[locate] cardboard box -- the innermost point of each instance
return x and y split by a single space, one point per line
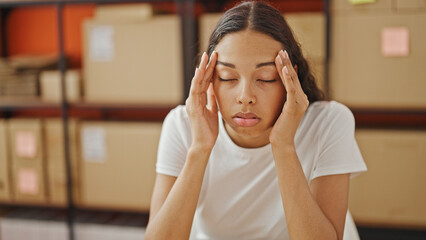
29 182
133 62
318 70
410 5
4 163
55 160
118 164
376 6
364 71
50 84
207 23
123 12
392 191
27 160
308 28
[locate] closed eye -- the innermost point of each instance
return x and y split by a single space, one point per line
267 81
226 80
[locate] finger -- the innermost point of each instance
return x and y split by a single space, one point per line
196 83
287 62
193 87
211 99
288 83
279 65
291 69
210 69
203 63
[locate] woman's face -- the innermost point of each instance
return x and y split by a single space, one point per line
248 89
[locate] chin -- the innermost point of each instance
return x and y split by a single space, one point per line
253 132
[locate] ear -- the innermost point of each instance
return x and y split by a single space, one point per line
295 68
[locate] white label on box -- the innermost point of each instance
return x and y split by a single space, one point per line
93 141
101 44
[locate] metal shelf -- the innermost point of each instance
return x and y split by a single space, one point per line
185 8
35 108
18 3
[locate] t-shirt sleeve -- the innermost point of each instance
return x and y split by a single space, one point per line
339 152
174 142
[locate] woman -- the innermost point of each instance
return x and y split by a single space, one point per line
256 153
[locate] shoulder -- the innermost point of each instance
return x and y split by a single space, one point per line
330 111
177 121
328 117
176 128
177 117
178 113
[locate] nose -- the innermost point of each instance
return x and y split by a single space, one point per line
246 95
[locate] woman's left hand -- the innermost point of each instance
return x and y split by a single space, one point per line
294 108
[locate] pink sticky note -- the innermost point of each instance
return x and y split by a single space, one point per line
28 181
25 144
395 41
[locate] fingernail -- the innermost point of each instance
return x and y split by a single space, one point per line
285 69
196 70
286 54
282 53
279 59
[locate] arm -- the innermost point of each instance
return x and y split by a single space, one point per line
171 217
312 212
175 200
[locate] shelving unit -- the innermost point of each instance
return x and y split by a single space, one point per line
13 107
26 108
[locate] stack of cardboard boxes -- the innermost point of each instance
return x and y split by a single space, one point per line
377 61
130 56
32 160
4 163
50 86
19 74
112 163
27 160
55 158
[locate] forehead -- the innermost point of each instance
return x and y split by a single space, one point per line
247 45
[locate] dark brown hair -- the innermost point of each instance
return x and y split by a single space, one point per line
263 18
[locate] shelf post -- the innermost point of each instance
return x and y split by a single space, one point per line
185 9
64 115
326 10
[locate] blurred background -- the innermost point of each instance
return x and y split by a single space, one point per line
86 84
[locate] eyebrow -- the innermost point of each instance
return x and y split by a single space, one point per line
257 66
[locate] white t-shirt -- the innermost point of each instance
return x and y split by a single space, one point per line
240 197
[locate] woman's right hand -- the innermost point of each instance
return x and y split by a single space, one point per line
201 105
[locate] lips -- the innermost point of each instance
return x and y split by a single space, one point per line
246 119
